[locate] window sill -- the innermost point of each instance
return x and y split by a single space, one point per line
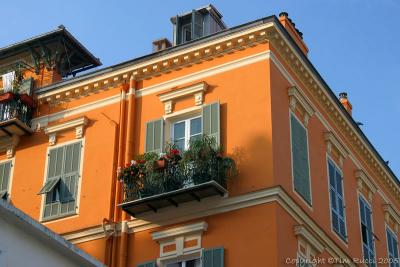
57 217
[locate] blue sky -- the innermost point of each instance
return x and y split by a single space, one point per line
353 43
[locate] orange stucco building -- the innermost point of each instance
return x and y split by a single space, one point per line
309 186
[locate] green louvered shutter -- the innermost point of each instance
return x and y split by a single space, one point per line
69 182
155 136
5 170
300 159
197 24
213 257
211 121
54 172
26 86
147 264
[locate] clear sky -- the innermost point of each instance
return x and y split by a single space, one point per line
354 44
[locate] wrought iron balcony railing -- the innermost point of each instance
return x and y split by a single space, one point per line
15 114
172 184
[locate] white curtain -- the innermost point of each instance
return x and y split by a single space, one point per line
8 80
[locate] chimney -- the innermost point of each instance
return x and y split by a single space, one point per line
297 35
161 44
345 102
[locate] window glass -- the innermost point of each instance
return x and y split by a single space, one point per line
186 130
187 32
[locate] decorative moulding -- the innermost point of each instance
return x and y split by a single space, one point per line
390 212
303 233
179 240
8 144
364 181
297 98
197 90
79 125
333 142
181 230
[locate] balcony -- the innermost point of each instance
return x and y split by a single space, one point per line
15 114
151 184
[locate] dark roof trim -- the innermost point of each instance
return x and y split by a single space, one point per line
223 33
19 47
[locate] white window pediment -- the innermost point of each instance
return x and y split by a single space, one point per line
181 240
332 142
297 100
365 183
306 237
79 125
196 90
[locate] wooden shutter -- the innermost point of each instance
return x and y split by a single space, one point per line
213 257
147 264
26 86
70 177
5 170
54 172
337 203
155 136
211 121
63 176
300 159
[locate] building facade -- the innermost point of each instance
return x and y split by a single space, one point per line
310 187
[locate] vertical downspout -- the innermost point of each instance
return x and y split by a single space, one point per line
123 253
118 186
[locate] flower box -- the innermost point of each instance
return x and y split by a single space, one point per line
161 164
26 99
6 97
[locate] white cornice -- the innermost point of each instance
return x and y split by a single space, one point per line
180 231
181 92
297 96
361 176
216 205
389 209
165 63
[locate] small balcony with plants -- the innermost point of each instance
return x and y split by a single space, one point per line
16 104
152 182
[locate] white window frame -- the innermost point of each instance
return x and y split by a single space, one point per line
10 180
345 239
46 220
309 205
186 256
394 235
187 129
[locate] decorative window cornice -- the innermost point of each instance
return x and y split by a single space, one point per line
333 143
197 90
180 230
8 144
298 100
391 215
301 232
78 124
365 183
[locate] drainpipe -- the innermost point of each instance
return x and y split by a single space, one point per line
117 183
123 253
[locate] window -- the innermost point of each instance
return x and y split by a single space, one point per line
186 32
186 130
392 248
182 131
366 232
300 164
60 189
5 173
188 263
337 200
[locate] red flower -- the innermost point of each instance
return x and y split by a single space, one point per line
175 152
141 161
127 164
